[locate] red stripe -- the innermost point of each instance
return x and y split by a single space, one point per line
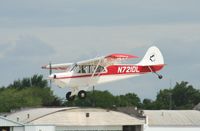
113 70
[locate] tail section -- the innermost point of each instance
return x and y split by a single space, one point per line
153 61
152 57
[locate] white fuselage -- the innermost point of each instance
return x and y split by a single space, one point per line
111 73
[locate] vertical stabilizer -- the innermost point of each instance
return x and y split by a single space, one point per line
153 56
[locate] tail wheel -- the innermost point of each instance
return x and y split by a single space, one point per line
69 97
160 76
82 94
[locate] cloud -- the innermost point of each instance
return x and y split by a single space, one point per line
4 49
179 44
97 13
23 58
29 47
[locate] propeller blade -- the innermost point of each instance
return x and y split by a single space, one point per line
50 68
50 72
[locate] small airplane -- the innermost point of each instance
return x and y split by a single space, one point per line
81 75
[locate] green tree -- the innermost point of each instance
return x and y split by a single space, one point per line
35 81
130 99
182 96
22 93
12 98
105 99
185 96
38 81
26 82
164 99
102 99
149 104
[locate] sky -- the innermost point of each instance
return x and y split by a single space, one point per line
34 32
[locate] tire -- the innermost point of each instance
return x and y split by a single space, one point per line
160 76
82 94
69 97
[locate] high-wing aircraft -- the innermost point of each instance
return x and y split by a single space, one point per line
81 75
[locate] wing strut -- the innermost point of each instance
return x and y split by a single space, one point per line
96 68
95 71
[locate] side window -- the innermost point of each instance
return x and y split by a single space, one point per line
92 68
81 69
77 69
88 69
100 69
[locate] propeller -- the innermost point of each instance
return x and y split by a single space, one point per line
49 66
50 72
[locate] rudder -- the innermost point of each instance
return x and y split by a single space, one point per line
153 56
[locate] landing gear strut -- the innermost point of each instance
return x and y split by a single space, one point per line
159 76
152 70
69 97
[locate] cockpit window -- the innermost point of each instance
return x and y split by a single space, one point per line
100 69
88 69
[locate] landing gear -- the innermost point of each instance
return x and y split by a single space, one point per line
82 94
160 76
152 70
69 97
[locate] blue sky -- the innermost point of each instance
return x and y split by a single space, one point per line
32 33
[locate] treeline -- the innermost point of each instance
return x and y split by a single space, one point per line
105 99
182 96
34 92
28 92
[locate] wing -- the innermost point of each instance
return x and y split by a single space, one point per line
63 66
107 60
121 56
103 61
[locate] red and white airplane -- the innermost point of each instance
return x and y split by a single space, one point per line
84 74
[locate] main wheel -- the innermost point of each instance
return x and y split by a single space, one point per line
82 94
69 97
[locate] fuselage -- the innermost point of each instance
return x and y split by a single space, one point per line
80 78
